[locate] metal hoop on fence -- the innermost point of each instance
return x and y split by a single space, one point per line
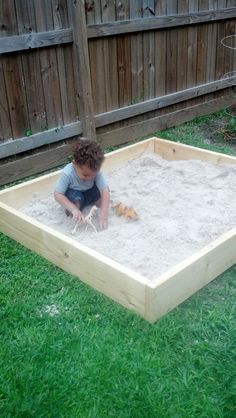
228 38
231 111
230 78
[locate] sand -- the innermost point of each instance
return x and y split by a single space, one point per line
182 206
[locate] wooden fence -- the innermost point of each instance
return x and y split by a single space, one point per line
108 69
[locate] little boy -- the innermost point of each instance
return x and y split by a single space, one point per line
81 183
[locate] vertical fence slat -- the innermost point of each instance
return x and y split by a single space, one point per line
192 49
171 51
12 65
82 69
212 46
202 55
221 50
5 122
110 58
149 53
182 55
136 39
65 64
96 55
124 57
31 69
160 53
49 67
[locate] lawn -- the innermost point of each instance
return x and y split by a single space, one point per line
68 351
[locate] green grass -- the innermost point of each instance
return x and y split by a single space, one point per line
68 351
92 358
205 132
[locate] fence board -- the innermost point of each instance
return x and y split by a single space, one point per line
49 67
137 70
110 58
26 166
148 53
58 134
65 64
192 49
31 70
124 58
35 40
144 64
138 130
137 25
5 123
12 67
171 51
81 61
202 55
182 56
41 138
160 53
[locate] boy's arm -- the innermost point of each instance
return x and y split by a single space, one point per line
67 204
104 209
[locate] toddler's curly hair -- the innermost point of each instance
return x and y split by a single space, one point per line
88 152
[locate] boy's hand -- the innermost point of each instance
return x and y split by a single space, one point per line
77 215
103 220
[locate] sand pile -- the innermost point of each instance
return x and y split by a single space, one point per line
182 205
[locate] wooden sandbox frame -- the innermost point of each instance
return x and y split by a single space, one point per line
149 298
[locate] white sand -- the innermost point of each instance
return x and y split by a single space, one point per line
182 205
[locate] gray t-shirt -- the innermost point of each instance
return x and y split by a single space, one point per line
69 179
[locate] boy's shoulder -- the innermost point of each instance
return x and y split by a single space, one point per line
68 169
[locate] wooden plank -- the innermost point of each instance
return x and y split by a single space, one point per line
5 122
170 151
6 25
202 56
159 102
97 58
171 51
65 64
112 279
151 23
33 164
148 54
220 51
192 49
136 56
82 70
35 40
137 63
123 58
57 134
40 162
160 54
182 53
182 281
39 139
31 70
110 59
49 67
64 36
7 18
13 75
140 129
212 46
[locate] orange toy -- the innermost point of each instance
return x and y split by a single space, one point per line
128 213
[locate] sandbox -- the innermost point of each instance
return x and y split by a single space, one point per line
150 296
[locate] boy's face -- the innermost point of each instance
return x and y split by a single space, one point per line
84 172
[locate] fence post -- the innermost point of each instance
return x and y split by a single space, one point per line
82 69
